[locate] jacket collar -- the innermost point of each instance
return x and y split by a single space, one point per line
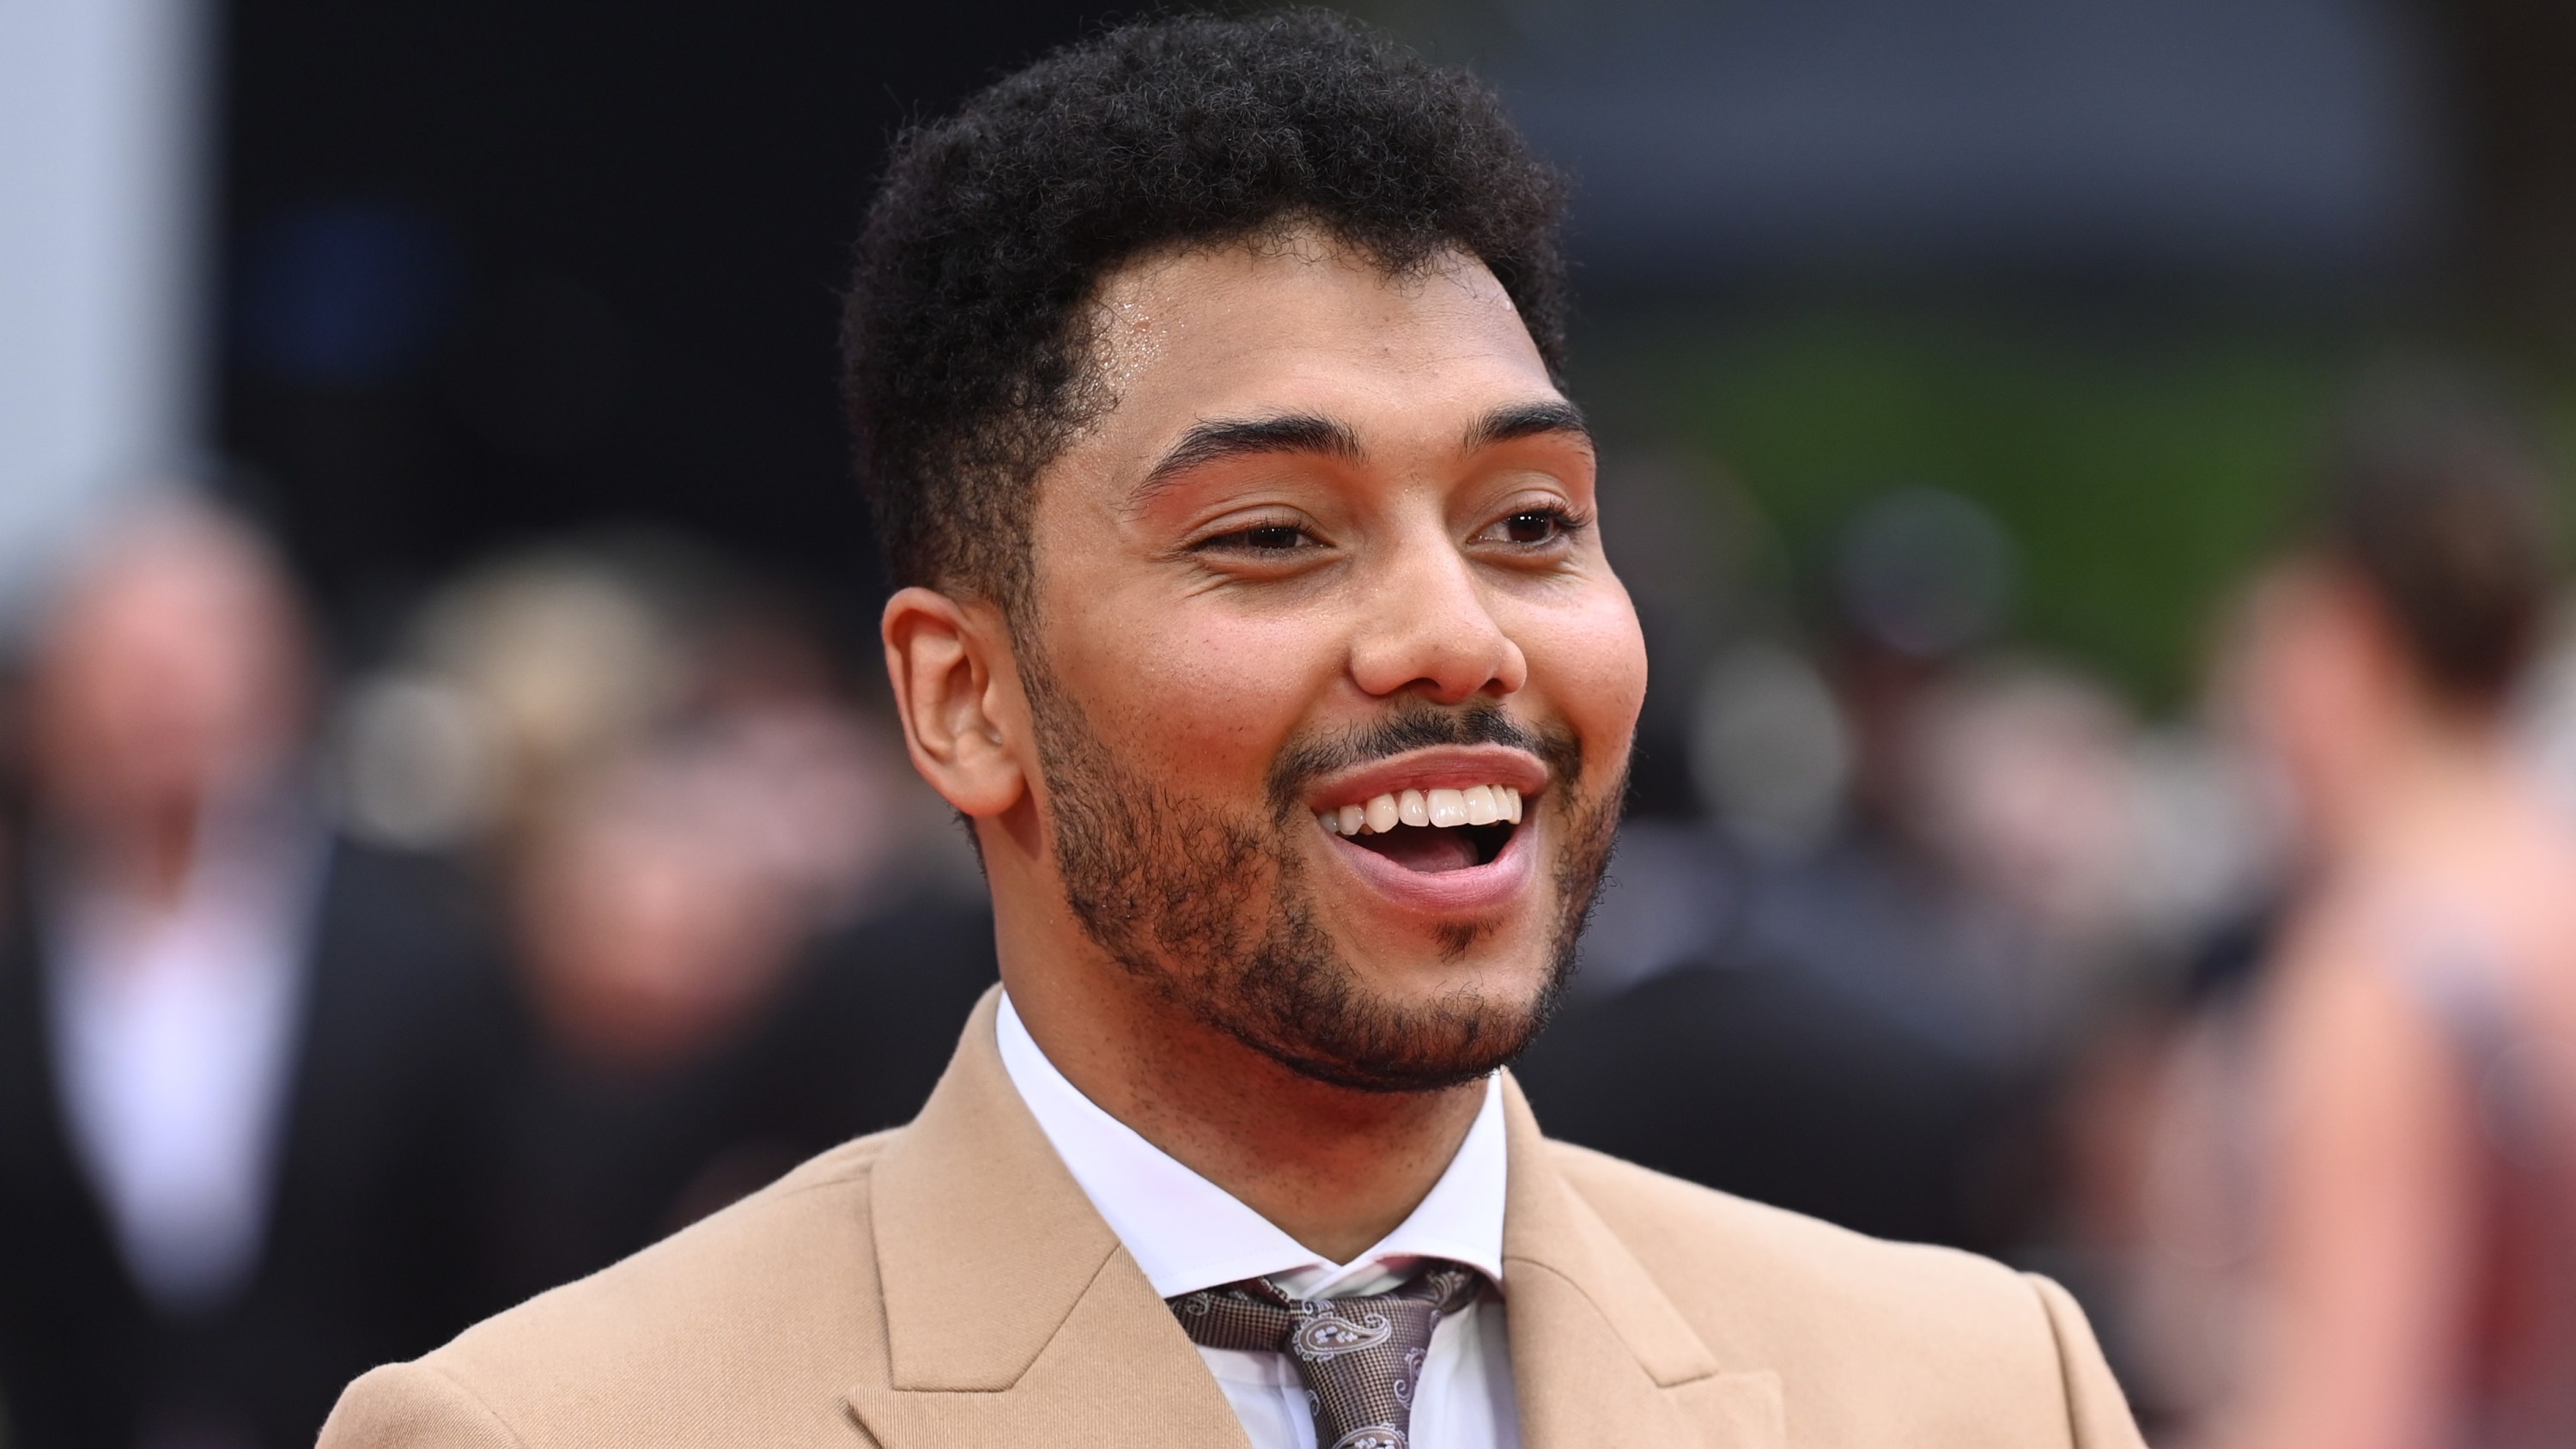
1012 1312
1599 1354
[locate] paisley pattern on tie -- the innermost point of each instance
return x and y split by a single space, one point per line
1360 1358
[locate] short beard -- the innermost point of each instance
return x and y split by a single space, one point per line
1211 909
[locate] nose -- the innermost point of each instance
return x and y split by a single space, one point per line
1429 629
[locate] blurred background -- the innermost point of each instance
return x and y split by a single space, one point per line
2087 472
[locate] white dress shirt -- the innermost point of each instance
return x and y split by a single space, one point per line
174 1046
1187 1233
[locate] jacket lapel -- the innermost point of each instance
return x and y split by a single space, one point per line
1599 1355
1013 1315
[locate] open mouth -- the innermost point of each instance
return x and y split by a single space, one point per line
1432 832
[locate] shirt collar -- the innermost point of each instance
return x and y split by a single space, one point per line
1187 1233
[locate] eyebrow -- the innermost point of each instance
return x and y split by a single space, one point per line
1221 438
1218 439
1527 420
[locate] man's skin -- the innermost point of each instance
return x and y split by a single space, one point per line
1205 608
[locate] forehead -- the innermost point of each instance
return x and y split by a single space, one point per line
1300 322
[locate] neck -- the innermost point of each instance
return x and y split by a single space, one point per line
1335 1169
2440 778
144 857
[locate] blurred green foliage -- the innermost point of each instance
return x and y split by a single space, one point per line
2139 476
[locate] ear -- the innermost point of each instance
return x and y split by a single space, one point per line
956 689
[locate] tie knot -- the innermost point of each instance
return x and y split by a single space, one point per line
1360 1358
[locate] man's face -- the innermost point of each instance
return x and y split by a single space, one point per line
1333 685
170 678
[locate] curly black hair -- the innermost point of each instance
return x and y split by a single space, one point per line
966 336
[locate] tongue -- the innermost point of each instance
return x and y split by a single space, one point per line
1427 849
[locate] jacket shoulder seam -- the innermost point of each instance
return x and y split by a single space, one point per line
481 1405
2065 1362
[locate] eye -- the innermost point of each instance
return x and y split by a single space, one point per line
1271 537
1534 527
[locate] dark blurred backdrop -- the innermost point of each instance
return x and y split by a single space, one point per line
486 273
494 270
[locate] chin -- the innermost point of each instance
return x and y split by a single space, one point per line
1422 1022
1505 969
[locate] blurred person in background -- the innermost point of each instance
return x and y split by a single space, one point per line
2413 1277
650 917
730 915
240 1060
702 1022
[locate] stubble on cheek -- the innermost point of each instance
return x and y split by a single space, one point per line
1211 909
1591 836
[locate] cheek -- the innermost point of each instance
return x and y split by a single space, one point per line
1201 695
1588 665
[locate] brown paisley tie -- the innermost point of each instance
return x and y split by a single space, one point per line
1360 1358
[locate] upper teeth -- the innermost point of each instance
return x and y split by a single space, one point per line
1475 805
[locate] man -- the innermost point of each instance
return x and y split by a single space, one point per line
236 1057
1256 621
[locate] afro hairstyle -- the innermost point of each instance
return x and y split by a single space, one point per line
967 331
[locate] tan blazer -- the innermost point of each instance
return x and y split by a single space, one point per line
948 1284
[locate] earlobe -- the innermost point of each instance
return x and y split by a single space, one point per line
942 657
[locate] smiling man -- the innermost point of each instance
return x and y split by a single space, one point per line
1255 618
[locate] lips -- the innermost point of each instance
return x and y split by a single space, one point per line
1443 871
1439 830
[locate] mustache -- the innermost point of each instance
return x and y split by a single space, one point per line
1414 727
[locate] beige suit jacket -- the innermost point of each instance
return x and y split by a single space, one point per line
948 1284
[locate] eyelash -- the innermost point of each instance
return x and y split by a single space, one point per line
1565 522
1239 540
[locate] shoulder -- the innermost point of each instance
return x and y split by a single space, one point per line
746 1327
1872 1341
2401 994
